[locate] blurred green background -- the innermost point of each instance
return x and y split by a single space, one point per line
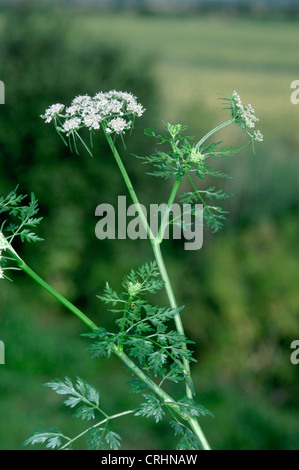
240 290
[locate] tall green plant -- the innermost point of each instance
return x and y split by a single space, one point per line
143 338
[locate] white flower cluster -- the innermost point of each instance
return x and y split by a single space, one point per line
244 115
115 109
257 135
53 111
3 245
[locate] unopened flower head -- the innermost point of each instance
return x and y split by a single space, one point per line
195 156
116 110
134 288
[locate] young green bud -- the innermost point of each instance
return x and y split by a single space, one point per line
195 156
134 288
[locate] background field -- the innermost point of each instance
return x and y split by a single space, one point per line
199 57
240 290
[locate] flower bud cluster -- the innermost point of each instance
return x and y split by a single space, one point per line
134 288
244 116
195 155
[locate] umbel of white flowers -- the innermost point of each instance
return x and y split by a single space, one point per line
116 110
245 116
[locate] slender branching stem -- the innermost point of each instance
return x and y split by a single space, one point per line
171 199
104 421
217 128
198 194
51 291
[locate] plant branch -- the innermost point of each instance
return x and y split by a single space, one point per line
109 418
166 213
217 128
51 291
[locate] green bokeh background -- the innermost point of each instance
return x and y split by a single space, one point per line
240 290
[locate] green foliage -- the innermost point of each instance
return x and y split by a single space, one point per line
146 277
189 408
80 393
143 334
188 441
184 158
87 397
20 217
191 161
51 437
143 331
103 439
151 408
173 163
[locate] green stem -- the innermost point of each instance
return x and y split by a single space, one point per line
173 304
198 194
165 397
156 249
205 137
166 214
129 186
51 291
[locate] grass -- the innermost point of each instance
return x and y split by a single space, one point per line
199 57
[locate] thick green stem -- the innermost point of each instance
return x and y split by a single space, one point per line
155 242
165 397
174 305
130 187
